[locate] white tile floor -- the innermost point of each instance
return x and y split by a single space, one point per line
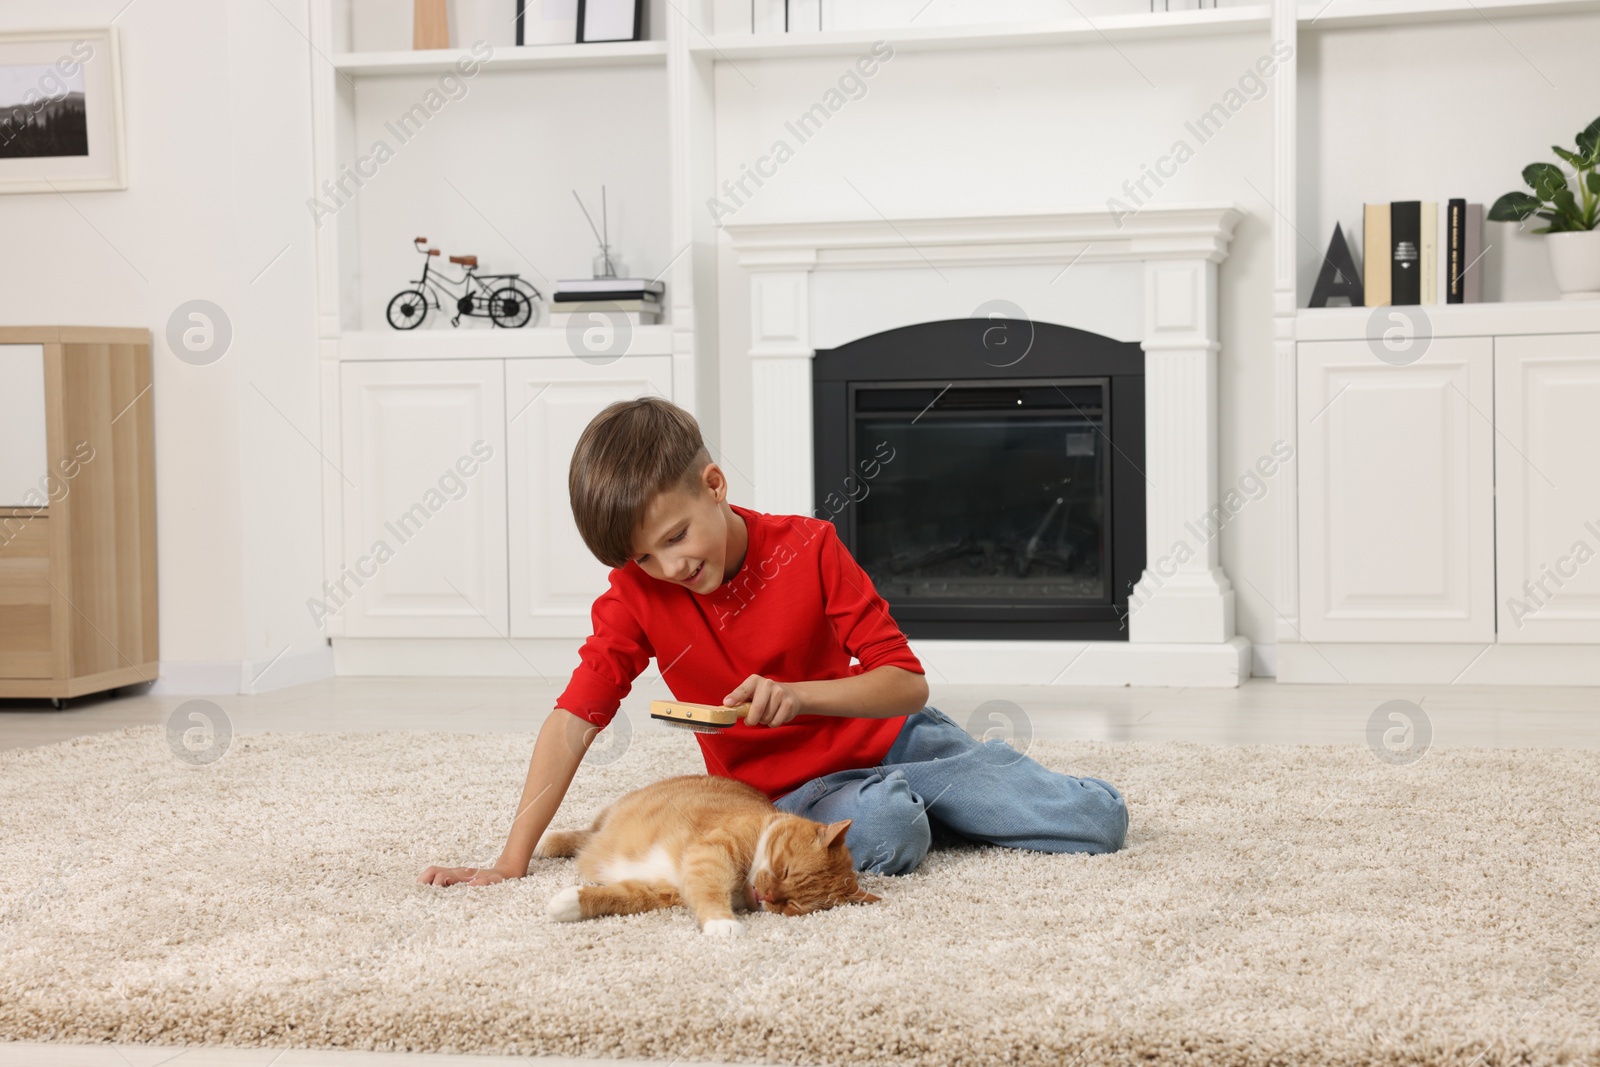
1260 712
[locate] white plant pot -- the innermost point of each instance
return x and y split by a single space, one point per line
1575 258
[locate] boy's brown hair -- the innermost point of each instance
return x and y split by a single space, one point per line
631 451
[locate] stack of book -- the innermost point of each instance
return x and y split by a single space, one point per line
1422 252
637 300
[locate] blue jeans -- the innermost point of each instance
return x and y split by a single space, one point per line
937 777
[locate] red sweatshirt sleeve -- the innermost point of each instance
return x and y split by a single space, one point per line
858 615
615 654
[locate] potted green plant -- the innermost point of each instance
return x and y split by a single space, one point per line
1573 239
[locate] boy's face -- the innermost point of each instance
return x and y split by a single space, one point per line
683 537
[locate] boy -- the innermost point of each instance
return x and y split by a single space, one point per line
736 605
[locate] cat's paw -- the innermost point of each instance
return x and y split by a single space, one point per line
564 906
723 928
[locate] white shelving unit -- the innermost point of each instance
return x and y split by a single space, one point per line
688 51
1396 576
396 402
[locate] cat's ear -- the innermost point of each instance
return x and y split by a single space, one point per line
833 832
861 896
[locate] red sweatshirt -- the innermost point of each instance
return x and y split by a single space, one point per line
796 611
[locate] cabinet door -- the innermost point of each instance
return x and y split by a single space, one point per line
1397 493
424 499
554 578
1547 391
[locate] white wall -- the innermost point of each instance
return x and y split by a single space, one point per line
217 108
1016 131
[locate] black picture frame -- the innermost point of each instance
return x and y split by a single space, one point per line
521 11
585 7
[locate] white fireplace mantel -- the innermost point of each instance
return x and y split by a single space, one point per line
1181 613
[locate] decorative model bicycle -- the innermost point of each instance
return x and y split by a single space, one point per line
505 298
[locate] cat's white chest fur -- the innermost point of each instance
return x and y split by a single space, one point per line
656 866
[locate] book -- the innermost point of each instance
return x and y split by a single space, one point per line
1441 261
602 295
608 285
1463 247
1472 272
1405 237
1428 253
1375 253
608 305
1455 246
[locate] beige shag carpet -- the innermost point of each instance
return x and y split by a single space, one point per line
1274 905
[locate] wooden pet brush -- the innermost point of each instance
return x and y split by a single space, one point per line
701 718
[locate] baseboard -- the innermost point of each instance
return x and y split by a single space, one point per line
1358 664
181 678
234 677
1263 661
1222 665
552 659
290 668
1076 663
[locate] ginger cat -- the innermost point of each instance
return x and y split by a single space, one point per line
710 842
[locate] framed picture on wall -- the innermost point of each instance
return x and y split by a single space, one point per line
608 20
61 111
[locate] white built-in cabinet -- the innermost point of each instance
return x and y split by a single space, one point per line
1450 500
454 491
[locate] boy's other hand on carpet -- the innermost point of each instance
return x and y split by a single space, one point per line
469 875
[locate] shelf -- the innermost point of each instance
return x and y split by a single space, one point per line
1344 14
530 342
1457 320
532 57
1081 30
1314 15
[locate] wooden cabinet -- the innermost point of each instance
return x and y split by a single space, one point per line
77 511
1397 493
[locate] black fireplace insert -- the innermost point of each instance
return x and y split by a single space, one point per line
988 475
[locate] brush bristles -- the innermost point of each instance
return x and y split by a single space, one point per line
682 724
